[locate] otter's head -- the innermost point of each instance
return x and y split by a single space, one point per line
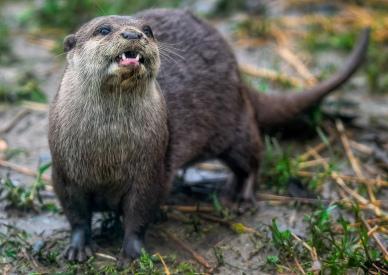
118 50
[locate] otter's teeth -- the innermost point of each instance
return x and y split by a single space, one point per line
123 57
137 57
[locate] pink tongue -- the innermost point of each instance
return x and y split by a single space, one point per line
129 61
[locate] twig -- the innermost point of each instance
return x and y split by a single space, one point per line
352 159
19 116
298 265
28 172
380 270
361 147
309 248
373 230
22 170
366 181
272 197
106 256
310 163
375 221
280 36
201 260
165 267
270 74
355 195
351 192
37 266
349 153
313 252
35 106
295 62
318 148
377 240
348 202
188 208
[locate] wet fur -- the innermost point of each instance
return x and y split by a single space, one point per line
117 143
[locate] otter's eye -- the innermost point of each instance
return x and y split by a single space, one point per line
147 31
104 30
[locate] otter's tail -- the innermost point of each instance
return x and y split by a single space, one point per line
273 110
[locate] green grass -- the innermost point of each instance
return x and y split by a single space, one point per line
147 264
16 240
27 197
341 248
281 166
318 39
282 240
278 166
4 41
11 244
376 68
17 247
69 15
26 88
228 7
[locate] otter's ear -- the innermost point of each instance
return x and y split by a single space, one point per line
69 42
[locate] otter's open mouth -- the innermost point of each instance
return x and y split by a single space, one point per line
129 58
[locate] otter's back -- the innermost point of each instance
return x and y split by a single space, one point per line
200 80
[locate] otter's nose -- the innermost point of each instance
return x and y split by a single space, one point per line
131 35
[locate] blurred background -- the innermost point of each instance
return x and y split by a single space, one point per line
282 46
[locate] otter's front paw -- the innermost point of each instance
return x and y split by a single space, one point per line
239 205
246 205
132 247
79 249
78 253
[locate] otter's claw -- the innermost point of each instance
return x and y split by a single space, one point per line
79 249
79 254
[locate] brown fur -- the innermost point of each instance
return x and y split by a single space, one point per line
117 139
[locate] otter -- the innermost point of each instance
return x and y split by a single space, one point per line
127 116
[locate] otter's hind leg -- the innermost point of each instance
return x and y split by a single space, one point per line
243 158
241 187
76 206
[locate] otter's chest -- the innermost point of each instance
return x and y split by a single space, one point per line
104 145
